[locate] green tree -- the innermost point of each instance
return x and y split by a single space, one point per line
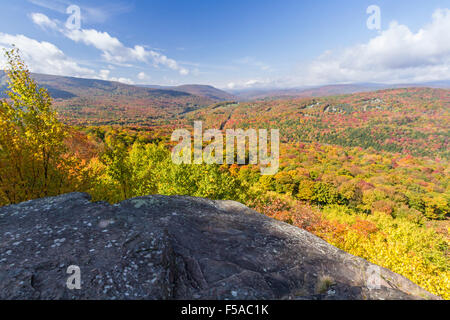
147 162
325 193
118 166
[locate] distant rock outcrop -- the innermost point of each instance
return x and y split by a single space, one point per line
160 247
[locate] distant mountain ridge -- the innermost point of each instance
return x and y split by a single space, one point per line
68 87
329 90
199 90
91 100
62 87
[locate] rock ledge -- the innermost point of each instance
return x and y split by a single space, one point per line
160 247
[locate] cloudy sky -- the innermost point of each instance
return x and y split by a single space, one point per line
232 44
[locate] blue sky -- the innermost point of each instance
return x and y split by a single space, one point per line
233 44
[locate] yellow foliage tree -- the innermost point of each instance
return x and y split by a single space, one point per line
32 149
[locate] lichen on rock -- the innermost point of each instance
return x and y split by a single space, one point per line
160 247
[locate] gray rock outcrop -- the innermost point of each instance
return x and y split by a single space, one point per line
160 247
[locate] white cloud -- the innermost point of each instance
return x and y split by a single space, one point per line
43 21
100 40
44 57
251 84
395 55
105 75
98 14
122 80
113 51
143 76
184 72
250 61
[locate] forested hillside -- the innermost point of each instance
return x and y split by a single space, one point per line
409 121
89 101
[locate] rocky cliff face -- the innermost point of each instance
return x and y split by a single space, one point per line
160 247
